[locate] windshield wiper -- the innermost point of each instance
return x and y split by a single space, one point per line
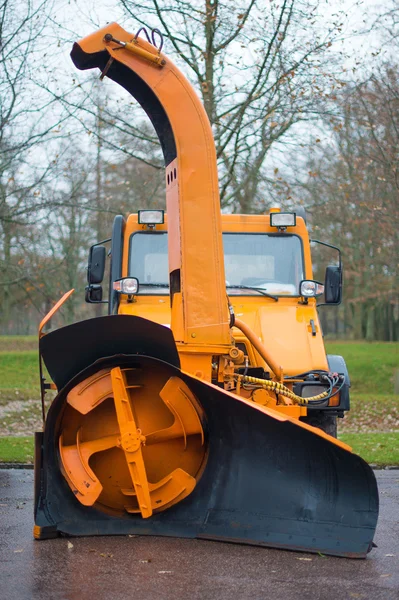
240 287
256 289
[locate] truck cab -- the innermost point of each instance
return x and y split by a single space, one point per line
269 285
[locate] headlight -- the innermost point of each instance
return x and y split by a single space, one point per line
126 285
151 217
310 289
278 219
308 391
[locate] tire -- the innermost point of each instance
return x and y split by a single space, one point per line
322 420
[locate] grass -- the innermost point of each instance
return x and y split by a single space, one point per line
16 449
375 448
371 427
371 365
19 373
10 343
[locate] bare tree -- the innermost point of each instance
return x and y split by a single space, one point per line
260 68
27 127
352 190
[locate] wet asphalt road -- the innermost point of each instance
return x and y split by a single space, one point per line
120 568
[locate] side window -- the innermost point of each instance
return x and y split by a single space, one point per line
155 268
148 258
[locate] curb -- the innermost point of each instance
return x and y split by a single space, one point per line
16 465
30 466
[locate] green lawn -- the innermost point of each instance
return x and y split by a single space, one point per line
19 375
16 449
19 370
371 365
375 448
10 343
371 427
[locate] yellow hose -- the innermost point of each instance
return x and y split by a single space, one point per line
280 388
275 386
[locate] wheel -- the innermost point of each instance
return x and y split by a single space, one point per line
322 420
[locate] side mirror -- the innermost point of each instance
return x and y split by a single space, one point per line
94 293
96 266
333 285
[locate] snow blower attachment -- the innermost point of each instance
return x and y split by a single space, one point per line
194 429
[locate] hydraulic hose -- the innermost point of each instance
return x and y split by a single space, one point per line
257 344
280 388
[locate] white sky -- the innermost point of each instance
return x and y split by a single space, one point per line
74 19
81 17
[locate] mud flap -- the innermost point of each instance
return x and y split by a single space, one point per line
267 482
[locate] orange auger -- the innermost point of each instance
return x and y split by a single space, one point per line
142 496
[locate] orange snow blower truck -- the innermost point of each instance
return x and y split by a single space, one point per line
190 409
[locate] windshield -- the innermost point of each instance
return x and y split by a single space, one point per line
271 262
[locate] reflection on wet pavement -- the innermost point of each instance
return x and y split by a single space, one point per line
119 568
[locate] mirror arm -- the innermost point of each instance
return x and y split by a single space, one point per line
329 246
100 243
339 264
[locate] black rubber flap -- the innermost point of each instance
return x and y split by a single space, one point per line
83 60
138 88
266 482
69 350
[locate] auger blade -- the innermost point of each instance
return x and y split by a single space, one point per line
85 396
178 398
167 491
75 462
